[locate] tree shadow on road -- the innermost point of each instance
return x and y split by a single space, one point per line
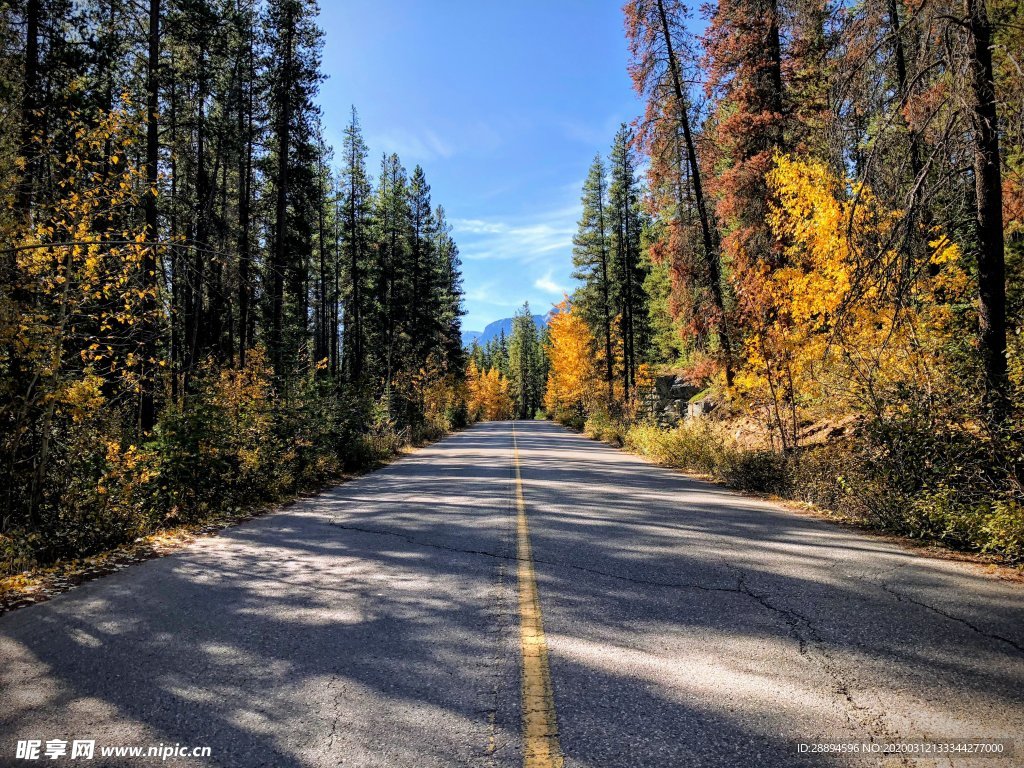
375 624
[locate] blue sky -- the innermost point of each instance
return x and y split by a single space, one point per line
504 104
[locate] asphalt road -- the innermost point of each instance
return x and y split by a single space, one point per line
378 624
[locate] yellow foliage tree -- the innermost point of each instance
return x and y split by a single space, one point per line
73 325
572 378
830 334
488 393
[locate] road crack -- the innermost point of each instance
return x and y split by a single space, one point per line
900 596
791 617
336 715
813 645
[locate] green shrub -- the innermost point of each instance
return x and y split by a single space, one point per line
1004 529
760 471
232 444
696 446
601 426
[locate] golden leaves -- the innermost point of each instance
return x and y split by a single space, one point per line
572 377
489 394
828 331
79 270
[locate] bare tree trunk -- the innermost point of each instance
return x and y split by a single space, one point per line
277 264
989 213
147 409
709 233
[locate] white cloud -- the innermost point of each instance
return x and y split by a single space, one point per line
479 227
421 146
440 141
598 135
513 258
517 239
546 283
488 293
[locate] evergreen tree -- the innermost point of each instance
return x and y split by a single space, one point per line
449 295
393 278
423 321
628 267
357 222
189 128
497 354
686 252
526 366
591 256
293 75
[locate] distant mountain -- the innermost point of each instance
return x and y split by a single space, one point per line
493 330
468 337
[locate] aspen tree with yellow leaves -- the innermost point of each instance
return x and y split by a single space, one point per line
573 380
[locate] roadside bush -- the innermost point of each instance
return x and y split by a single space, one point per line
698 446
758 470
572 419
601 426
233 443
1004 529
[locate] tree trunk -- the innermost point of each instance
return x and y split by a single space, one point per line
147 408
989 214
354 335
629 353
709 233
245 109
29 110
605 297
277 265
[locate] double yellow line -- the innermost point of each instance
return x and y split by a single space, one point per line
540 725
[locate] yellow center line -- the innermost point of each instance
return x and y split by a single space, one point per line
540 725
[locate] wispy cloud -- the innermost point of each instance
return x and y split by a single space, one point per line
521 239
546 282
440 141
419 146
597 134
511 259
489 293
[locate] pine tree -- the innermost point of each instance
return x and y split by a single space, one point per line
744 47
357 223
628 268
391 218
448 268
423 321
591 257
189 129
662 51
527 370
294 48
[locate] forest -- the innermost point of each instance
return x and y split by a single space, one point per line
826 246
814 231
204 306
